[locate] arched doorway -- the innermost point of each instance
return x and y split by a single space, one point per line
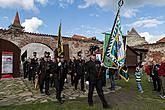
36 47
9 58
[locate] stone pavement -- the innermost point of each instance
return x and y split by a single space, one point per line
20 91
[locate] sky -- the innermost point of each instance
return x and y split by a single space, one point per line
86 17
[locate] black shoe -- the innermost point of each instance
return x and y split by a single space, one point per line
83 90
41 92
90 104
159 90
47 93
61 101
106 106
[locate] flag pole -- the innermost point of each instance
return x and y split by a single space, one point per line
120 4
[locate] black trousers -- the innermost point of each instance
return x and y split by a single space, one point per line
156 83
52 81
58 87
98 85
77 78
25 71
72 78
32 74
44 81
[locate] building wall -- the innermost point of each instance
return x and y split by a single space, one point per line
156 52
25 38
7 46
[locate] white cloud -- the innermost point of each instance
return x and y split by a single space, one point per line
5 18
32 25
65 3
139 3
129 13
147 23
127 3
43 2
151 38
130 5
94 15
100 3
25 4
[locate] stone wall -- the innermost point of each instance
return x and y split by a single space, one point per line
156 52
75 46
24 38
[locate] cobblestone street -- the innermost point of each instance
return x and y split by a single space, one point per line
20 91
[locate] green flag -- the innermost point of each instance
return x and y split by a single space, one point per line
114 52
60 48
107 62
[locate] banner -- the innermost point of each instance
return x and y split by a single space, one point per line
7 62
60 48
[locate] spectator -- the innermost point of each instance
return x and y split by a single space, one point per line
138 75
155 77
161 73
112 73
147 69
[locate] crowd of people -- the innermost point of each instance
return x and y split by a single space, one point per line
51 72
155 75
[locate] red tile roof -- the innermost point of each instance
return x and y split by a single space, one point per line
79 37
161 40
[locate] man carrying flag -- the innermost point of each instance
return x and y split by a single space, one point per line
60 72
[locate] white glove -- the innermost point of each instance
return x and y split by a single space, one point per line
59 64
102 64
87 82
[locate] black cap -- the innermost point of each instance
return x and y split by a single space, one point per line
34 53
45 52
48 53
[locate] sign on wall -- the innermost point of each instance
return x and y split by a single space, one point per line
7 62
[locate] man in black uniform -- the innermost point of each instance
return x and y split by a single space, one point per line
80 72
44 73
60 76
71 68
55 70
95 80
33 67
25 68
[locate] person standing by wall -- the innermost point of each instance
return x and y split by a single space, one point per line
161 73
155 77
147 70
